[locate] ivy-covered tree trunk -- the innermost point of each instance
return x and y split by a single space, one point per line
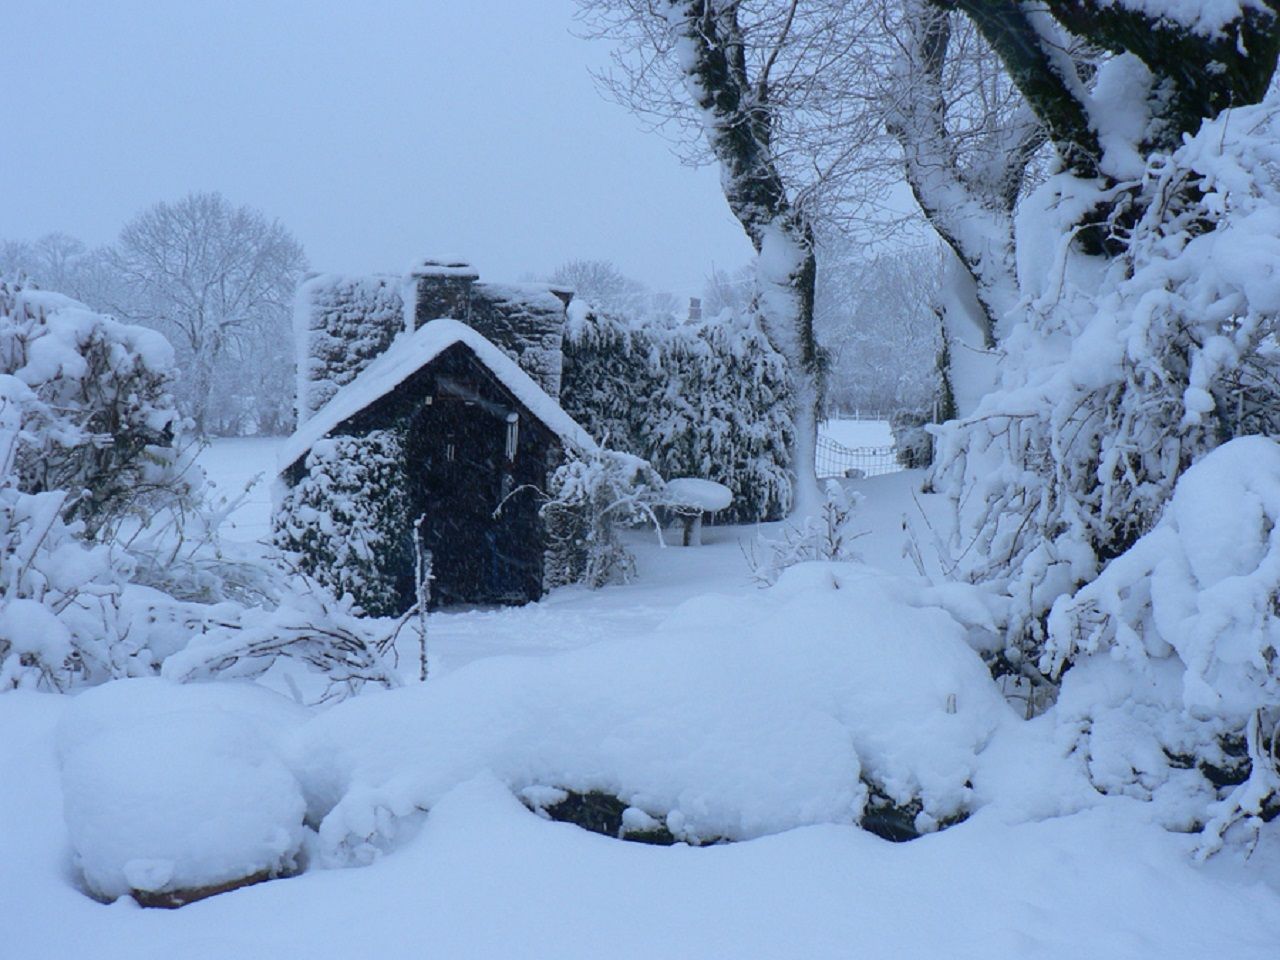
738 124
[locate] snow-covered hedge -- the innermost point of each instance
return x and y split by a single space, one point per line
341 323
347 519
706 399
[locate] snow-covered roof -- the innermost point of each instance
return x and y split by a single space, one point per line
408 354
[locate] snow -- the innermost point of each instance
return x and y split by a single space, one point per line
408 354
855 433
168 788
706 495
750 713
1206 17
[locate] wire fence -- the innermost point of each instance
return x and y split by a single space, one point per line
837 460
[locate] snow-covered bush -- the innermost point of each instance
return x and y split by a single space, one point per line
827 535
59 622
98 507
1127 371
592 495
705 399
1197 600
99 422
345 522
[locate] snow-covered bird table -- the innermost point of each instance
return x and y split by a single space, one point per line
690 498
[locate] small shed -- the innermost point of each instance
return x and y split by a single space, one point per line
476 433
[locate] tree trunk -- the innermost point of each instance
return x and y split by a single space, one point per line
738 122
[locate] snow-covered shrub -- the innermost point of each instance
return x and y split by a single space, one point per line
59 623
99 422
308 626
827 535
1127 371
1197 600
591 496
341 324
705 399
346 521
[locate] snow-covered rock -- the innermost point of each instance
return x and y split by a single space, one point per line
172 790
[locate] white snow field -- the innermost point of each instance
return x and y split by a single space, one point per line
731 710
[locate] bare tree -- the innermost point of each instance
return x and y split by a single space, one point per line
603 284
876 317
218 280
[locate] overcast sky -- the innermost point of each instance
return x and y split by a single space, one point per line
377 131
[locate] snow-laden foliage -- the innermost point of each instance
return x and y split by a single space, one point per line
827 535
344 521
706 399
610 374
85 424
724 412
592 496
59 621
308 626
1198 599
99 420
98 507
1127 371
341 324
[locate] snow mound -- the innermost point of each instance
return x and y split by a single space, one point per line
740 717
1202 585
172 788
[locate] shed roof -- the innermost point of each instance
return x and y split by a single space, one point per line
408 354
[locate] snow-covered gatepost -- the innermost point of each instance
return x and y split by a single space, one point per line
737 121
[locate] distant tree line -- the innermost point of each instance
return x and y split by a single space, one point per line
215 278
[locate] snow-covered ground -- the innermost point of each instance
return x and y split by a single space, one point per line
747 710
857 433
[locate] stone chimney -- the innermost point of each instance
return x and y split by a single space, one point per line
442 288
